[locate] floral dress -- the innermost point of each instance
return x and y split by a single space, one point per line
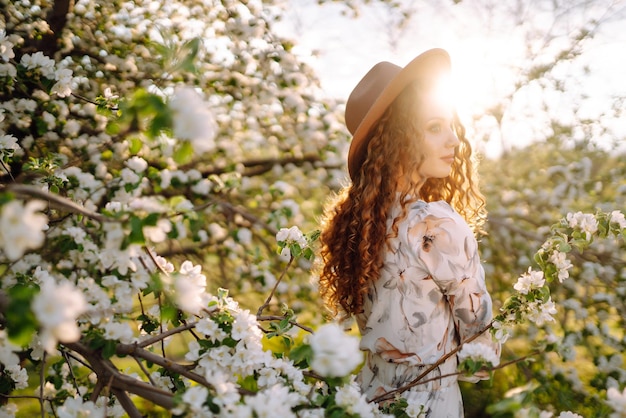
430 295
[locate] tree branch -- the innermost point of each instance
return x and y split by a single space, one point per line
153 340
57 19
106 371
55 200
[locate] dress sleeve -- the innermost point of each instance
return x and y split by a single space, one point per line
444 244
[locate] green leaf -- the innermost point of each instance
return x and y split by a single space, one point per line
249 383
136 231
108 350
295 250
301 355
135 145
170 313
151 219
20 319
184 152
6 198
148 324
161 121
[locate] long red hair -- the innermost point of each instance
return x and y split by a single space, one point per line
354 224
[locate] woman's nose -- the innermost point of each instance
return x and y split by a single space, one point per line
453 139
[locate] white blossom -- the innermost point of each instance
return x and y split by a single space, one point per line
562 264
210 329
193 120
540 313
76 408
118 331
164 265
568 414
276 401
158 233
8 70
129 176
528 281
415 410
8 350
8 411
312 413
6 47
203 187
21 227
137 164
39 61
479 352
335 353
63 86
618 218
586 222
18 375
8 142
244 236
350 397
245 326
291 235
617 401
501 333
195 396
57 307
190 288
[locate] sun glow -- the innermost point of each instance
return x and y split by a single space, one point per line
479 74
480 80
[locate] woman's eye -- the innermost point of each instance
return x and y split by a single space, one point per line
435 128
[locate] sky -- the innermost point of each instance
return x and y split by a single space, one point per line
486 51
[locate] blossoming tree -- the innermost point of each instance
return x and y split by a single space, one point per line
152 155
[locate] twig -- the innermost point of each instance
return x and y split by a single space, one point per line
153 340
417 380
278 317
7 170
271 295
106 371
69 366
56 200
234 209
4 395
42 377
96 391
85 99
134 350
499 366
144 370
154 260
127 403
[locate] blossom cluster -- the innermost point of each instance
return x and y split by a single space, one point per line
231 349
479 352
335 354
193 119
291 242
22 227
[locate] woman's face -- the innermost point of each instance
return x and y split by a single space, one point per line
435 119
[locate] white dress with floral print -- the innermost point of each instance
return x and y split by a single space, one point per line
430 295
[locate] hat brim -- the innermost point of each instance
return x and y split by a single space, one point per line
425 65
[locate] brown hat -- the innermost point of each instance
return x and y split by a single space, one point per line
375 93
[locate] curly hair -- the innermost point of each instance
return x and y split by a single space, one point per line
354 223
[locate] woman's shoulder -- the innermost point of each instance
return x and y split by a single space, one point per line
436 208
421 211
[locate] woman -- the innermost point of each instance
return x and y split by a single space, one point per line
398 251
